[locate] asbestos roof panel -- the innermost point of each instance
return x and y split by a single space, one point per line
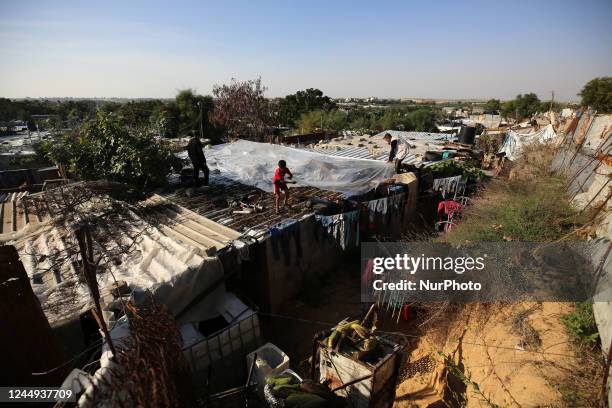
149 243
19 210
186 225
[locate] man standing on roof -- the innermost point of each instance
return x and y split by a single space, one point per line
399 150
196 155
280 184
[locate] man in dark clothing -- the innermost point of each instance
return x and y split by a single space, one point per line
196 155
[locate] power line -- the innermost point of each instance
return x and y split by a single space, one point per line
96 344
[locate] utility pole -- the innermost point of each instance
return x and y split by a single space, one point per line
552 101
201 126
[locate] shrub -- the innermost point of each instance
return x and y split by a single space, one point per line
580 324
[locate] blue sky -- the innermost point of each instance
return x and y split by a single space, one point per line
434 49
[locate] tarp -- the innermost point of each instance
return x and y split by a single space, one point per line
253 164
515 142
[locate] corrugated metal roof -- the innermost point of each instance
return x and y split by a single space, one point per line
417 135
345 151
356 153
221 203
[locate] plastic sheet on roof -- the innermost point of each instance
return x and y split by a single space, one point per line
515 142
253 164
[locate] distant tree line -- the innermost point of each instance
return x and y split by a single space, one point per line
117 141
368 120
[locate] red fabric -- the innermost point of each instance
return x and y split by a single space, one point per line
279 179
449 208
406 312
280 186
368 273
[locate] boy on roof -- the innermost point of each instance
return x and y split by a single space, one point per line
280 184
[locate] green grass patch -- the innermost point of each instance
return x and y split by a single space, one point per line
581 326
518 210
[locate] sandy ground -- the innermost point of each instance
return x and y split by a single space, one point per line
513 367
513 364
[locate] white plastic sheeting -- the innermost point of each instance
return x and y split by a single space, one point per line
253 164
515 142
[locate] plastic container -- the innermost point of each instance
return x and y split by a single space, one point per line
467 134
270 361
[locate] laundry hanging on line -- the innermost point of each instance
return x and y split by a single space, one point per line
282 234
343 227
383 206
446 185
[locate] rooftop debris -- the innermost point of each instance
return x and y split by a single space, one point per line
241 207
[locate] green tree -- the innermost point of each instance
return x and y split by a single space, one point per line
508 110
137 113
527 105
335 120
310 121
522 107
492 106
423 120
109 107
360 123
190 106
546 106
597 93
389 121
291 107
103 148
165 120
8 110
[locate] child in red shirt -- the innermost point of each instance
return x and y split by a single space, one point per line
280 184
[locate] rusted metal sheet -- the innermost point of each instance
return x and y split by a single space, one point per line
605 159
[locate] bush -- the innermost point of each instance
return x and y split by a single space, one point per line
532 205
581 324
104 149
517 211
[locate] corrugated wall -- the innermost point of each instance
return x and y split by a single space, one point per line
586 158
